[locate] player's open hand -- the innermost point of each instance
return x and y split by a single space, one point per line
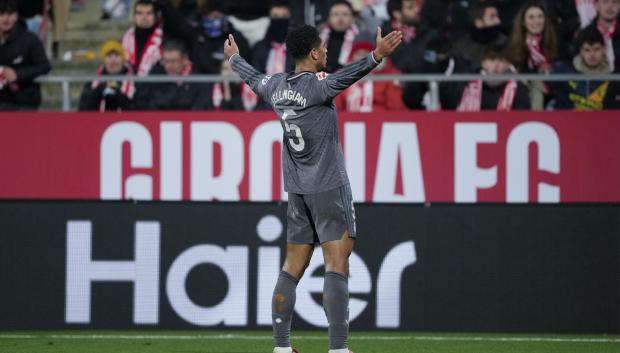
230 47
386 45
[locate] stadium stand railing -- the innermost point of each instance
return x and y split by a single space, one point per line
433 80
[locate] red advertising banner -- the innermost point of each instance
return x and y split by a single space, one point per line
517 157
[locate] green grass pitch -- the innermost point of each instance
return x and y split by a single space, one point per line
209 341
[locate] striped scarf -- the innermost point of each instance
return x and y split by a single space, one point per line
127 87
347 44
536 58
360 97
471 100
150 55
276 62
187 70
609 45
248 97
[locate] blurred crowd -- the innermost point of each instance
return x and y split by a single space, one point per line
446 37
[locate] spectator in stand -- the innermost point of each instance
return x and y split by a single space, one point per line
533 48
143 41
339 34
172 95
208 49
533 40
405 17
448 17
270 55
484 31
494 95
112 95
439 59
592 61
22 60
606 22
228 95
371 96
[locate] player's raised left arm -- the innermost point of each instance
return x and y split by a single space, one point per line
349 74
256 80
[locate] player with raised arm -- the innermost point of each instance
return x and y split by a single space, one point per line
320 207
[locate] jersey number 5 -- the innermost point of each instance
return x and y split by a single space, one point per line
300 144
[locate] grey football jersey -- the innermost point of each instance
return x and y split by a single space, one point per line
312 159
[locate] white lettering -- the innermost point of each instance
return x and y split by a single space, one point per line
389 283
233 309
468 177
355 158
205 185
399 140
517 161
140 186
261 162
171 154
82 271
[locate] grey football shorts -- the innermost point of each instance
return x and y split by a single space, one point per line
321 217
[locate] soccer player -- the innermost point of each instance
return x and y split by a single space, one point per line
320 205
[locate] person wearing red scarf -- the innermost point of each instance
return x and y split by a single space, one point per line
340 33
172 95
227 95
534 47
270 55
143 41
105 96
494 95
371 96
606 23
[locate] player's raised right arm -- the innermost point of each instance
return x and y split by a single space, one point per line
349 74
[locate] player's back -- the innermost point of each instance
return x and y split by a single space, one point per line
312 157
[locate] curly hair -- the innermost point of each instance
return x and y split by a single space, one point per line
301 40
518 48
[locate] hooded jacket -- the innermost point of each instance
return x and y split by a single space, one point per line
587 95
23 52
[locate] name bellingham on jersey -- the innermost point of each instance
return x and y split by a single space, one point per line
290 95
312 158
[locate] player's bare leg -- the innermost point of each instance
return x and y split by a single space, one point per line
297 259
336 291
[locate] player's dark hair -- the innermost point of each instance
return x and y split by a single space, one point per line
341 2
301 40
479 8
8 6
590 36
176 45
